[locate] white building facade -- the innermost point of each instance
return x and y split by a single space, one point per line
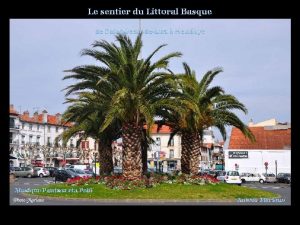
272 148
32 140
253 161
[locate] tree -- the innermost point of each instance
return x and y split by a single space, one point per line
141 89
135 87
87 114
213 108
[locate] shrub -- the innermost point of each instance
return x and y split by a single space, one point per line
119 182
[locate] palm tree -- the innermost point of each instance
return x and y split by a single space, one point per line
86 112
140 89
134 88
213 109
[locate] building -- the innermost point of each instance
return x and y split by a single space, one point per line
33 140
169 156
272 146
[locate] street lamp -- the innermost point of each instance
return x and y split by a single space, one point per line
95 157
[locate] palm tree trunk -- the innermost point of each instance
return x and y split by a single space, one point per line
144 152
105 155
190 153
144 158
195 154
185 153
132 153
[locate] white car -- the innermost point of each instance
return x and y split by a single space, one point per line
252 177
233 177
80 167
40 172
269 178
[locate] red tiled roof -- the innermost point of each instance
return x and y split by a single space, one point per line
163 130
207 145
265 139
39 119
12 110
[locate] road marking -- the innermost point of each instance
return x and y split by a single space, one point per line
276 187
26 183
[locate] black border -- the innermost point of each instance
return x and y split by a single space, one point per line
224 9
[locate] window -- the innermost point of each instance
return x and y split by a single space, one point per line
23 125
48 141
30 139
158 140
30 126
38 140
71 143
56 129
172 142
48 129
23 139
11 122
171 153
10 137
38 127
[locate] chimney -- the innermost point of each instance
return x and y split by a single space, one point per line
250 124
26 114
58 118
35 116
45 115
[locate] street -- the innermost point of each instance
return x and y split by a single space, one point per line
18 199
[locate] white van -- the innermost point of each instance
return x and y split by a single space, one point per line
233 177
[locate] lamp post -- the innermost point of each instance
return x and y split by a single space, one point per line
95 154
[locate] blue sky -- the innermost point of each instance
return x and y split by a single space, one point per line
255 56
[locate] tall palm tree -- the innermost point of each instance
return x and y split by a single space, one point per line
214 108
142 89
136 87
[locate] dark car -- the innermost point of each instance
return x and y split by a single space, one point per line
63 175
284 178
11 170
51 170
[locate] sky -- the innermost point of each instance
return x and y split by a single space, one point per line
255 55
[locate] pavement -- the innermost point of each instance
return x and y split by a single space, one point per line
284 190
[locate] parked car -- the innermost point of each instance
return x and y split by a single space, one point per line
284 178
269 178
23 172
203 172
81 167
252 177
63 175
11 170
221 175
118 170
40 172
214 173
51 170
233 177
80 173
90 172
